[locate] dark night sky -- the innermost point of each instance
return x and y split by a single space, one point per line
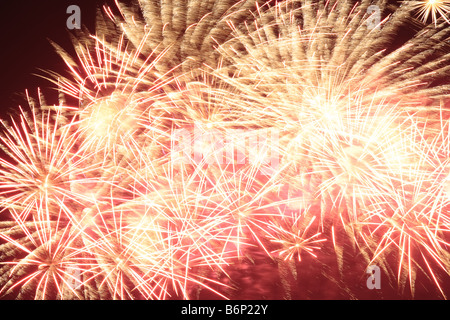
25 28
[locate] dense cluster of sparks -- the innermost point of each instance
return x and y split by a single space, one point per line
209 133
433 9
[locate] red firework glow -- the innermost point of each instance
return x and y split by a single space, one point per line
253 150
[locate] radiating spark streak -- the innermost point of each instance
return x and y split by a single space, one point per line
108 188
432 8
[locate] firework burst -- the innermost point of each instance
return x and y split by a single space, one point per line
213 139
432 8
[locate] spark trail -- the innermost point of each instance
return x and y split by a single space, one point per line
221 139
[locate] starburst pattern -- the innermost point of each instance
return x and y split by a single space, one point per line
217 138
434 9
